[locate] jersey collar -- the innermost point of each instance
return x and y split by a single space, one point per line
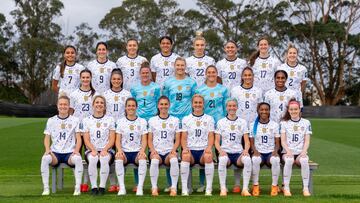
131 57
63 118
98 117
230 119
264 123
164 118
199 57
197 116
166 56
281 91
231 60
291 65
264 57
130 119
104 62
295 121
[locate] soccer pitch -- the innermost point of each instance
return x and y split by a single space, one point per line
335 145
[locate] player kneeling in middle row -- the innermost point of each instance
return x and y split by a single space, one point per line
131 141
163 141
229 133
265 143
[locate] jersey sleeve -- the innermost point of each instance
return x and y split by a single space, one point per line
85 126
246 128
72 100
165 90
184 127
47 127
133 92
112 124
56 73
282 127
143 127
276 130
177 125
77 122
308 130
157 93
218 127
152 65
211 124
251 130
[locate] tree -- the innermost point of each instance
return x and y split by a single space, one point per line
329 44
37 47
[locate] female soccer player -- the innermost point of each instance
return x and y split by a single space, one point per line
197 63
197 140
179 89
265 143
247 95
280 96
131 142
231 66
162 64
101 68
295 139
63 132
229 133
130 64
163 141
214 94
146 93
297 73
67 73
263 65
99 138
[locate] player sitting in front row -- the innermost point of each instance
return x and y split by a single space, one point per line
197 140
63 131
229 133
99 137
163 141
295 139
265 143
130 144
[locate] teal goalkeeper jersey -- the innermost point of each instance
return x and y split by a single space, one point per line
215 99
179 93
147 98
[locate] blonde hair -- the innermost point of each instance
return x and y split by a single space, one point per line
199 36
290 46
180 59
197 95
103 98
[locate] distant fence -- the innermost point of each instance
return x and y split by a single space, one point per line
27 110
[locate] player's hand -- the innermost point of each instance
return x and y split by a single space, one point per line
303 154
256 153
185 150
208 150
153 153
119 154
274 153
246 153
76 153
103 153
47 152
289 154
94 153
142 153
173 152
222 153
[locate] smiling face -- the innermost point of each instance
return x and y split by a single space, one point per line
263 47
211 74
180 66
280 80
145 74
130 108
292 55
63 106
230 50
132 47
264 112
99 105
165 46
85 78
248 77
199 47
294 111
70 55
101 51
116 80
163 106
231 108
198 105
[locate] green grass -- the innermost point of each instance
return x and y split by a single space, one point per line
334 145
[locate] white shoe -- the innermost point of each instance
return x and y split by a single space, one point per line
201 189
208 193
185 193
167 189
46 192
122 192
139 192
77 192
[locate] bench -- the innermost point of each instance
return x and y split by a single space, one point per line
58 174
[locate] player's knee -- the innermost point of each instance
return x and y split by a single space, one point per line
105 159
246 160
186 157
208 157
274 160
155 162
256 160
289 160
303 161
46 159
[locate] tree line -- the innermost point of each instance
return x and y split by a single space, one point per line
325 32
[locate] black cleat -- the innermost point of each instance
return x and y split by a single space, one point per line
101 191
94 191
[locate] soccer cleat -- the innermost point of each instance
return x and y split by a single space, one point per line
274 190
208 193
236 189
77 192
101 191
185 193
113 188
223 192
139 192
122 192
134 188
94 191
46 192
306 193
287 193
167 189
154 192
256 190
84 187
245 193
201 189
173 192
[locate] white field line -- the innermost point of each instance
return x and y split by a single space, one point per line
315 175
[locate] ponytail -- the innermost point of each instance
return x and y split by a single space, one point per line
91 87
63 64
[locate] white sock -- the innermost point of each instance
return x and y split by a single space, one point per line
256 161
104 170
275 169
93 160
246 160
78 171
120 172
209 175
184 170
142 173
112 175
154 172
237 176
174 172
223 160
44 168
305 170
86 175
287 172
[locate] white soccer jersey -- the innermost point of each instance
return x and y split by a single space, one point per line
163 66
81 102
196 66
278 102
230 71
264 70
101 73
62 133
231 132
248 99
99 130
164 133
264 137
296 74
71 79
130 68
115 102
295 134
131 133
198 129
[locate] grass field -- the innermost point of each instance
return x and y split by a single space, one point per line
335 145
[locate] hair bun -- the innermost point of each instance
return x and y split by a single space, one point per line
198 33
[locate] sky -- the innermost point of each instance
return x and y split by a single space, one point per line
77 11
